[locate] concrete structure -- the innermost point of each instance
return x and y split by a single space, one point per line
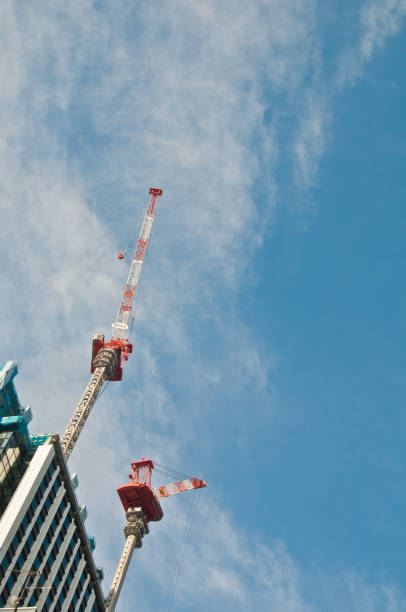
45 555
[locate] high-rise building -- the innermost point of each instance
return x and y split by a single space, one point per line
46 559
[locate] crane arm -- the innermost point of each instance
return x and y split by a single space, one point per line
179 487
120 325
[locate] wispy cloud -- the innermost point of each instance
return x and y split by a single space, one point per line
378 20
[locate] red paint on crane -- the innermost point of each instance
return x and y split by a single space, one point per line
141 495
138 492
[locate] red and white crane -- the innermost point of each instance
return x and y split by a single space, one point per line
108 357
141 506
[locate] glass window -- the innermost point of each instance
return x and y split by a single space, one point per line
20 561
10 582
6 593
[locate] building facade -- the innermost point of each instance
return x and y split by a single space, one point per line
46 557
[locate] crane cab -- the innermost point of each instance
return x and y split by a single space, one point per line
141 495
138 491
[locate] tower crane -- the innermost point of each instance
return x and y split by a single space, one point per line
141 506
109 357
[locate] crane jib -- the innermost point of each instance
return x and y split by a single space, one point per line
120 332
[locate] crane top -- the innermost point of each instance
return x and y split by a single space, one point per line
138 492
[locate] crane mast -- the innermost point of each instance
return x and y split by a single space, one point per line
141 506
135 529
108 357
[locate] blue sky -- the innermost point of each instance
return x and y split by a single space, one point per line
270 326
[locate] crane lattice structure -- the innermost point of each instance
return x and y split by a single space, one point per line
108 357
141 506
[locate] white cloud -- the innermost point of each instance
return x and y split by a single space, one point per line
378 20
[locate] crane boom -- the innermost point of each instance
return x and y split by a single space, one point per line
108 357
179 487
120 326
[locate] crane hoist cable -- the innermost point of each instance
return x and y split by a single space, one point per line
176 572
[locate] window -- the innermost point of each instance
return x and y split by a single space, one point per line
20 561
6 593
11 581
52 467
33 601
